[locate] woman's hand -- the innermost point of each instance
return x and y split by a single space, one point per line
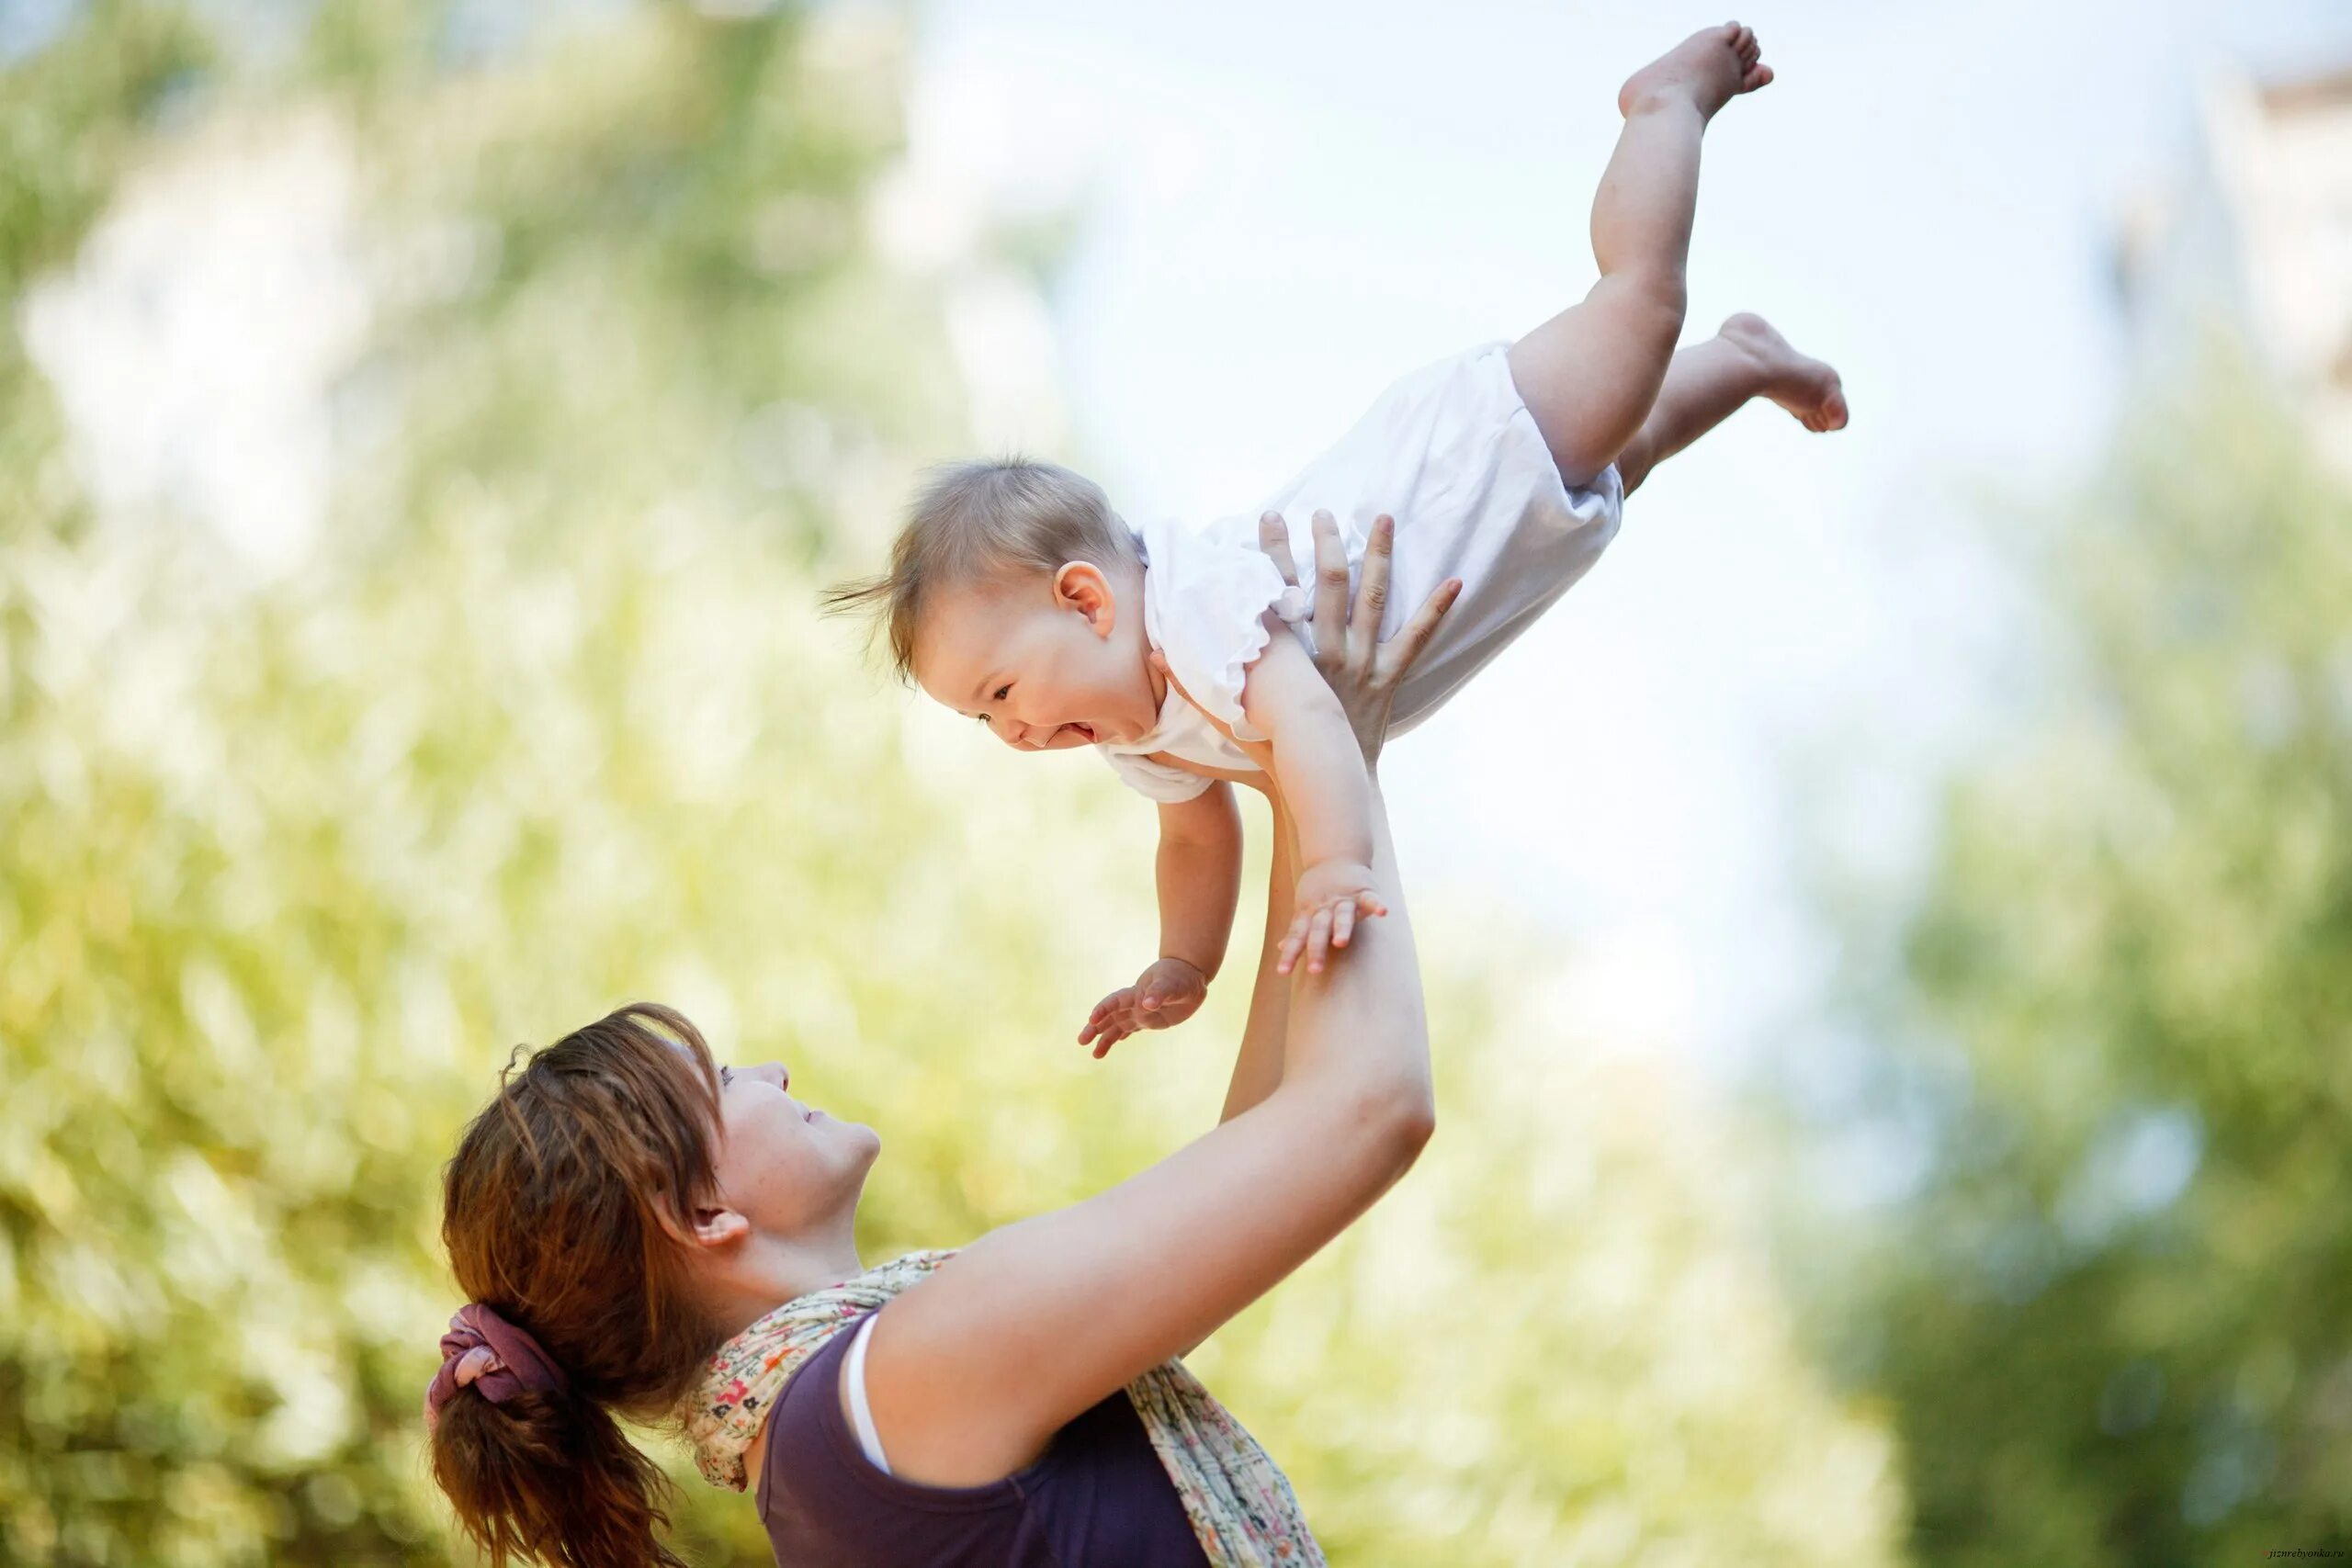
1363 671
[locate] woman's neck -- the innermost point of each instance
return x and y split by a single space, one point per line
774 1269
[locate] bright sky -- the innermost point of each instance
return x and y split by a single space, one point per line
1282 207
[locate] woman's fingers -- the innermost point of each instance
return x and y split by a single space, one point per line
1330 587
1372 592
1273 538
1399 651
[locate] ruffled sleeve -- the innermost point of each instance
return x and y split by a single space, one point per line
1206 597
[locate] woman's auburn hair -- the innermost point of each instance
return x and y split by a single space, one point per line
563 1210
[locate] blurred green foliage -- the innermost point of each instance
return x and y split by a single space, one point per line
544 720
2110 1316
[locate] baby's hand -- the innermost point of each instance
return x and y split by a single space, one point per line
1332 895
1163 996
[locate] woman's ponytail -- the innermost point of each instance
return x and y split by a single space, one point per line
555 1207
551 1478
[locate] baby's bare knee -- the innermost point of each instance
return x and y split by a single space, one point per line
1645 307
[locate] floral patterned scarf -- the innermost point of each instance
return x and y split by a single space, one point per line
1240 1504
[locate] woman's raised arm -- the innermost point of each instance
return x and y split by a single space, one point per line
1365 673
970 1373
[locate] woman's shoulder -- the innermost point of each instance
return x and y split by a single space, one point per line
1099 1491
793 1422
810 1454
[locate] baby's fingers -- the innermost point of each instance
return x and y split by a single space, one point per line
1100 1019
1318 940
1294 944
1367 904
1343 924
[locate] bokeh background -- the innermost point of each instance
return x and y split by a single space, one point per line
1889 933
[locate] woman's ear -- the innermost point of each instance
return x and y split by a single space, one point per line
720 1228
1080 585
711 1226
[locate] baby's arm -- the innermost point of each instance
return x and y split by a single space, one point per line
1200 882
1199 872
1320 772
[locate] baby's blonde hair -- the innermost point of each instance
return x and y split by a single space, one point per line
978 520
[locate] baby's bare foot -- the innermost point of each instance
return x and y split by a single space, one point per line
1806 388
1707 69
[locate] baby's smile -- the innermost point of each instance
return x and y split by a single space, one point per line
1068 735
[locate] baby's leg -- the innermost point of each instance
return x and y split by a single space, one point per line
1590 373
1708 382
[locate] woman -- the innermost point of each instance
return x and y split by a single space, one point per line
643 1231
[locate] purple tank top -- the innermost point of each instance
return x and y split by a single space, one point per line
1098 1495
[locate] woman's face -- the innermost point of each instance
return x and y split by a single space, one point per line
787 1167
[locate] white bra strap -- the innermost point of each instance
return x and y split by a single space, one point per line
860 1413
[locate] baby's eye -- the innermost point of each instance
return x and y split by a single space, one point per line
1001 692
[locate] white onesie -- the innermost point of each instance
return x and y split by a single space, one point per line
1451 452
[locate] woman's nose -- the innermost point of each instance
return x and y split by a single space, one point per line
783 1074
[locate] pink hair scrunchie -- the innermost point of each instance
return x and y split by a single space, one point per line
483 1349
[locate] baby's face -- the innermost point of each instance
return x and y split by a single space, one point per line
1047 662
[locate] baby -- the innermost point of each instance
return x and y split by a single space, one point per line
1017 596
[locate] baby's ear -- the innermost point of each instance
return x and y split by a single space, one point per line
1080 585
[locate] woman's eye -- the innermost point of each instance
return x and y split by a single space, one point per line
726 1077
